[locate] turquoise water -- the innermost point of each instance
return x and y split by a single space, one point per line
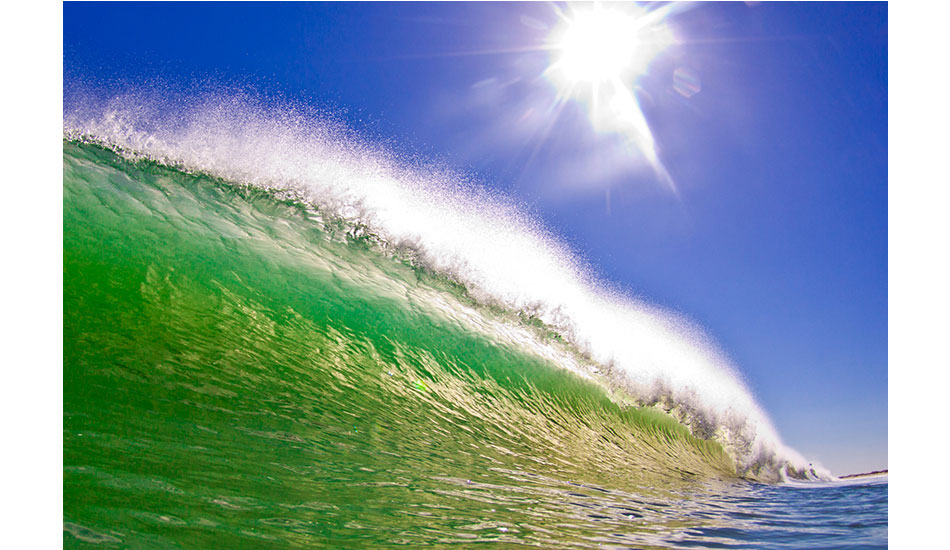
245 366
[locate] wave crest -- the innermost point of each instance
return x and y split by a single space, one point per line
446 223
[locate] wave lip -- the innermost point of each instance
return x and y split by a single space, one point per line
443 221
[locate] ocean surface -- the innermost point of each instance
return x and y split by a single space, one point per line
276 338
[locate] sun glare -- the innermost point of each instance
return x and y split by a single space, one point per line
597 45
598 54
602 44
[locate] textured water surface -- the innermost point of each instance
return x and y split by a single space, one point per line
240 372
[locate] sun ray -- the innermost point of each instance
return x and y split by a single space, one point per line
596 51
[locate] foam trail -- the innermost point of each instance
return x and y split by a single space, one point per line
500 255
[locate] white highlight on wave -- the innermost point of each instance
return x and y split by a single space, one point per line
497 252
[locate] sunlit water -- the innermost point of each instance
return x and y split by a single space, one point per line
239 373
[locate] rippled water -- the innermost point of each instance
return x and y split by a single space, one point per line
236 376
509 508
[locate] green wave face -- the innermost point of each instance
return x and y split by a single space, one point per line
240 373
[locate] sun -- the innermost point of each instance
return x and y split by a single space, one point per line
602 44
598 54
597 45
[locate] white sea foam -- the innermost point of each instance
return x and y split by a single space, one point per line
501 255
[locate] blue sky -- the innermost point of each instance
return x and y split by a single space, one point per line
774 239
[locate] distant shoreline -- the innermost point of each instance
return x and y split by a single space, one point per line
868 474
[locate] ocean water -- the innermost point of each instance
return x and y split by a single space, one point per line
277 338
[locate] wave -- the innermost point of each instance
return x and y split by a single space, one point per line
498 258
